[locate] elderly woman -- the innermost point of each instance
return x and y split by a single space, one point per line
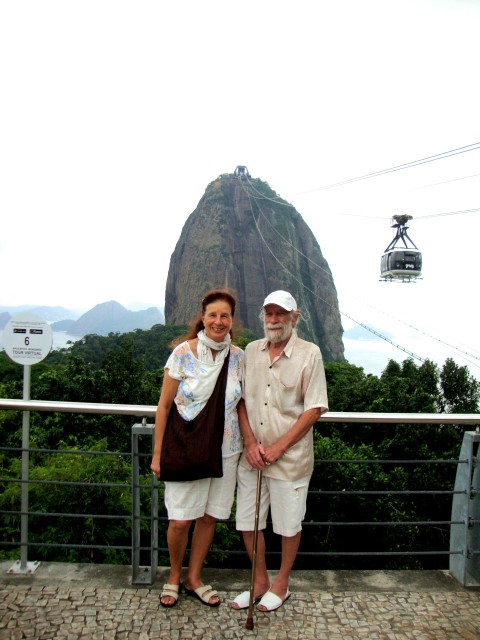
190 375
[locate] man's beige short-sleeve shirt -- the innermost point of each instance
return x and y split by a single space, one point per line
277 394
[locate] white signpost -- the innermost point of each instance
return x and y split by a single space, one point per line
27 339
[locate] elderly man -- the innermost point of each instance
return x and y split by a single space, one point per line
285 394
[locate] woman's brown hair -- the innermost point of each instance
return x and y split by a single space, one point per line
197 324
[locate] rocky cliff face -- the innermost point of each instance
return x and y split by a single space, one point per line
243 236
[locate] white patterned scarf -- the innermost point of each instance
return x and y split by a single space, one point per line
206 344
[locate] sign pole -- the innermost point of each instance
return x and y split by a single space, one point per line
25 463
27 339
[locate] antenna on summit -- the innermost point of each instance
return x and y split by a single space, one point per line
241 172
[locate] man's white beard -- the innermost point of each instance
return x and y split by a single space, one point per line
273 334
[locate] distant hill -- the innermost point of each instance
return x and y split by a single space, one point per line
104 318
360 333
110 317
49 314
4 318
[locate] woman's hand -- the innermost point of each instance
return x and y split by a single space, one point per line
155 466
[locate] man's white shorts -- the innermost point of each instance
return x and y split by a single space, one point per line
212 496
287 502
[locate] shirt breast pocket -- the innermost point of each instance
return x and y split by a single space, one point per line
287 391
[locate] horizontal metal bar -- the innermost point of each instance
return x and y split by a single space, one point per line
150 410
67 483
88 515
360 492
393 523
67 546
374 461
321 492
317 461
376 553
242 552
306 523
73 452
94 516
383 492
79 407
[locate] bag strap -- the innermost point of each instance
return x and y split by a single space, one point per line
220 387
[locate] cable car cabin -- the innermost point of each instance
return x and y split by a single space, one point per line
401 264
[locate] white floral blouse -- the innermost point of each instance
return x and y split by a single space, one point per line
197 380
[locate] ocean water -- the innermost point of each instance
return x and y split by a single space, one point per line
63 340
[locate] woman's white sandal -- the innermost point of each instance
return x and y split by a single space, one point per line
170 591
204 593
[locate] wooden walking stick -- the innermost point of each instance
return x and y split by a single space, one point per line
249 623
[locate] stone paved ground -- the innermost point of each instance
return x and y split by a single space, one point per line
90 606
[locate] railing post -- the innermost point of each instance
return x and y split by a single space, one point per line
147 575
465 537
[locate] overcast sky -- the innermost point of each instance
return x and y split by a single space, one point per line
115 116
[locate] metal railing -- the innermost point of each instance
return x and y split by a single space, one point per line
464 525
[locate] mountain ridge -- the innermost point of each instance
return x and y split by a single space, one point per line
102 319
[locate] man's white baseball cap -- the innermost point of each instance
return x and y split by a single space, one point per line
282 299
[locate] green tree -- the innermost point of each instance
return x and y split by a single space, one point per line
64 533
460 391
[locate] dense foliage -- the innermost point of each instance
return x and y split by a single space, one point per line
401 459
384 461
